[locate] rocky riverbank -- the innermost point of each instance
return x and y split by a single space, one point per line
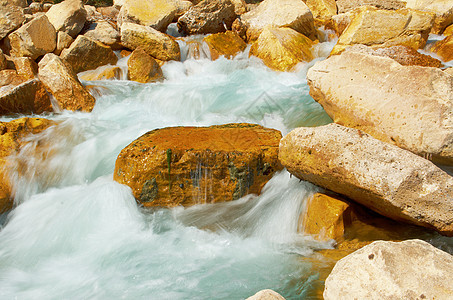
386 85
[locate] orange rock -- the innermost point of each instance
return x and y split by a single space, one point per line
444 48
125 53
25 98
26 67
103 73
11 134
227 44
10 77
143 68
448 30
192 165
326 217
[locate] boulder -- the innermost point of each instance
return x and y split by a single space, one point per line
443 9
444 48
68 16
404 55
176 166
340 22
143 68
389 180
86 54
279 13
33 39
109 13
105 33
103 73
26 98
409 106
325 217
349 5
3 62
448 31
11 134
266 295
282 48
240 6
157 14
25 67
9 79
182 6
412 269
19 3
211 16
155 43
61 81
227 44
92 14
382 28
64 40
11 18
323 9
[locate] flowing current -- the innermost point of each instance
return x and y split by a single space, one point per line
77 234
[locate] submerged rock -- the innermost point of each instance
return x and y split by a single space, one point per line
194 165
411 269
61 81
87 54
208 17
279 13
11 134
391 181
227 44
143 68
382 28
282 48
68 16
409 106
155 43
266 295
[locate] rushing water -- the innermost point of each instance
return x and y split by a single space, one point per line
76 234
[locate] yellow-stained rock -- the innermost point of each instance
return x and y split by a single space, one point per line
323 9
448 30
444 48
106 73
193 165
349 5
340 22
157 14
326 217
11 78
11 18
61 81
382 28
26 98
240 6
26 67
11 134
68 16
64 40
282 48
143 68
443 9
227 44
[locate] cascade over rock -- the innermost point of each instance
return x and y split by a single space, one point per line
279 13
389 180
411 269
394 103
61 81
192 165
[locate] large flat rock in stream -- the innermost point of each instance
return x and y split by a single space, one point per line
193 165
409 106
389 180
411 269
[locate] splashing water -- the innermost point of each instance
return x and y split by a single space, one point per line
76 234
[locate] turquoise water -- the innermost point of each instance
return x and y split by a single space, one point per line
76 234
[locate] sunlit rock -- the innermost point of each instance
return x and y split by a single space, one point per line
282 48
279 13
11 18
389 180
182 6
143 68
208 17
266 295
26 98
412 269
11 134
382 28
64 40
19 3
409 106
326 217
443 10
448 31
157 14
108 13
87 54
348 5
155 43
104 73
192 165
9 79
33 39
340 22
444 48
449 71
25 67
227 44
404 55
104 32
68 16
322 8
61 81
